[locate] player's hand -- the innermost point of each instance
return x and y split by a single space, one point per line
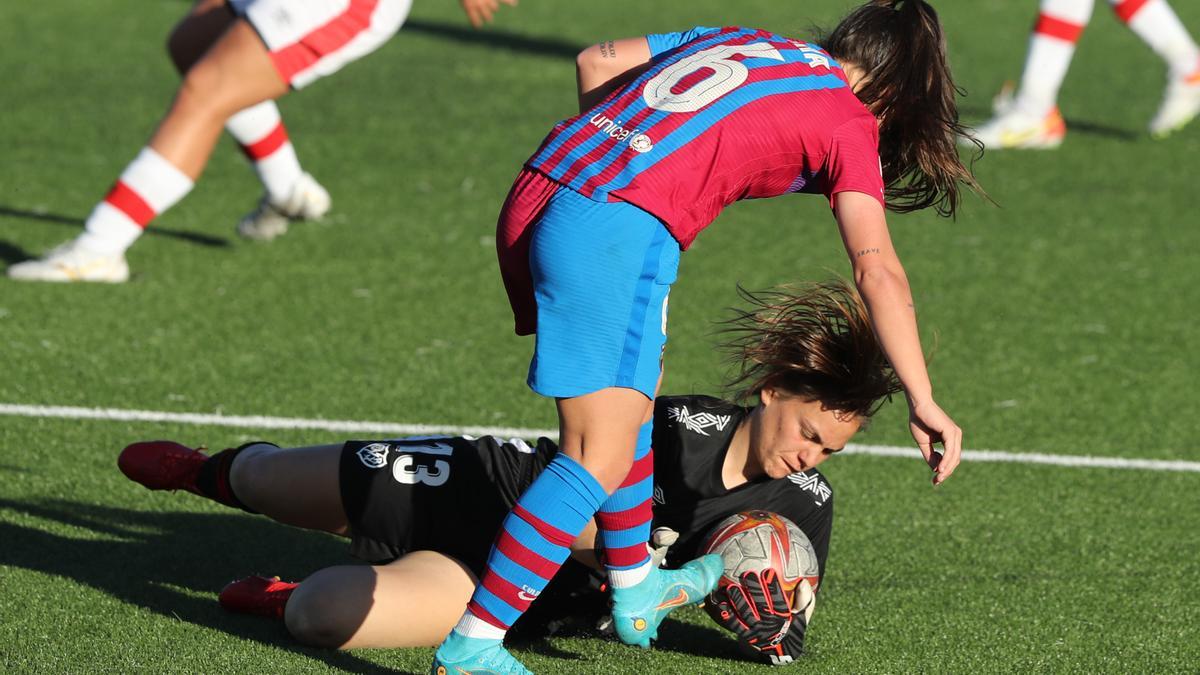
929 425
480 12
757 611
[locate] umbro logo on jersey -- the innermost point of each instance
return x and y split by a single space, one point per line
639 142
699 421
820 489
373 456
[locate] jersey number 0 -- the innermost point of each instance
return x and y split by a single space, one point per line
726 75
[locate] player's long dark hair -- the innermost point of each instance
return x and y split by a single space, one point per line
814 341
900 48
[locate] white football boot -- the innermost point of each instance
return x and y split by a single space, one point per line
1013 128
308 201
73 261
1181 104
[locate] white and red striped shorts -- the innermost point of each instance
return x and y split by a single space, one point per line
309 39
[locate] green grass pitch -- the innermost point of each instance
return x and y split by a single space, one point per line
1061 322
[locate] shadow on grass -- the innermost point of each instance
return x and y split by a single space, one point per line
513 42
1097 129
161 561
142 558
7 249
707 641
979 114
11 253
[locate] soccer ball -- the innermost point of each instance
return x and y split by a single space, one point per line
761 540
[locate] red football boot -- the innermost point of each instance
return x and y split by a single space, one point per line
261 596
162 465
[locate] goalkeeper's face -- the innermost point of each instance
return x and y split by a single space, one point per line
789 434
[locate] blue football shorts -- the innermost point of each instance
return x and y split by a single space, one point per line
602 272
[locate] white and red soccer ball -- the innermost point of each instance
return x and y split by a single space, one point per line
761 540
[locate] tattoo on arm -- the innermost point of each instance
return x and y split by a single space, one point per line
866 251
608 50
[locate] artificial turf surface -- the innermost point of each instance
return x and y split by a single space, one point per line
1061 321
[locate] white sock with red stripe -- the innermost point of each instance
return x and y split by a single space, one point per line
264 140
147 187
1159 26
1059 26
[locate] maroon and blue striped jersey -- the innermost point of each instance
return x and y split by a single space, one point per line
720 114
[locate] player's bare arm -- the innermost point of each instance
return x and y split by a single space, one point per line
604 67
884 287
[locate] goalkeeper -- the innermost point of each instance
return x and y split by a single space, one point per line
425 511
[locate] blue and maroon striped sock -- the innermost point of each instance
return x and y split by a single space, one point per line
624 520
533 543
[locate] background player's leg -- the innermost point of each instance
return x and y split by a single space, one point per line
289 192
235 73
294 486
1157 24
1051 47
413 602
1031 119
258 130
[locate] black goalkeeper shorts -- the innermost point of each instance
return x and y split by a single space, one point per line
447 495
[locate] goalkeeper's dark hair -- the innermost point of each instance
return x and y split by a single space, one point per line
899 46
814 341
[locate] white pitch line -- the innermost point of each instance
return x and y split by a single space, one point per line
263 422
1089 461
355 426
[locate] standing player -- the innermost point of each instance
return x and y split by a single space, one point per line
1031 118
426 511
674 128
236 58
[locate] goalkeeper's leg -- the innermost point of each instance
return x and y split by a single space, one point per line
295 486
412 602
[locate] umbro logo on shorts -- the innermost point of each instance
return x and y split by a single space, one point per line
373 456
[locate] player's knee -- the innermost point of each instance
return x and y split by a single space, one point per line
315 616
609 471
250 472
203 92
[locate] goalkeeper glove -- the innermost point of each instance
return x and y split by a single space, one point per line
768 629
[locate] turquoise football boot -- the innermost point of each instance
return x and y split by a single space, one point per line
638 610
460 655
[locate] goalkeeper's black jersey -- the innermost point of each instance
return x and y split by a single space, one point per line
691 437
